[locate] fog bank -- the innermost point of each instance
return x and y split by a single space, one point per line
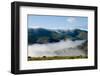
62 48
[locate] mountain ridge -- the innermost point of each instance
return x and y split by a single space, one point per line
42 36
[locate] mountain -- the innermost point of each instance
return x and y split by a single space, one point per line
42 36
84 47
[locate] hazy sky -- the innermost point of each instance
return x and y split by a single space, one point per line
57 22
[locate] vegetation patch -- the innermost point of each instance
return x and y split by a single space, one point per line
55 57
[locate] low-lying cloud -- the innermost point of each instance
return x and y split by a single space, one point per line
62 48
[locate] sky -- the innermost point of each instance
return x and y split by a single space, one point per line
57 22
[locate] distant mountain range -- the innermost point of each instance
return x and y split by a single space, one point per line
42 36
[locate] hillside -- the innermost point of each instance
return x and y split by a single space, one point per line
42 36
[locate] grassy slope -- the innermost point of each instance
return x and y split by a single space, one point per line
55 58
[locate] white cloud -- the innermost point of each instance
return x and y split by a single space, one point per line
34 26
71 19
56 49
